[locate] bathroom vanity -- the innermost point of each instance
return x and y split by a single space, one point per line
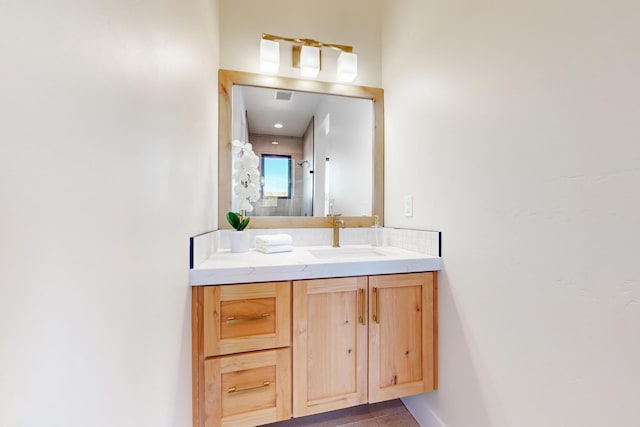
319 328
286 335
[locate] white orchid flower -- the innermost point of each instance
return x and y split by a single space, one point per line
246 175
246 206
236 146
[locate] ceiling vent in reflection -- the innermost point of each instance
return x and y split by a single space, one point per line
284 95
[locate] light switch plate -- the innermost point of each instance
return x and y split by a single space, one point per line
408 206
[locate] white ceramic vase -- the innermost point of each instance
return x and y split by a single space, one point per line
239 241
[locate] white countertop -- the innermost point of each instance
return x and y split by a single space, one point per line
225 267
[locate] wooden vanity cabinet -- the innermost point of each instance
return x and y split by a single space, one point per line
363 339
263 352
241 354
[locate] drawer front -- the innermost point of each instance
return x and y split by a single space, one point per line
248 389
239 318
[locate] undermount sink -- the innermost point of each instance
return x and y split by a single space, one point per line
345 252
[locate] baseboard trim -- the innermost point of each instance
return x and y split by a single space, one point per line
422 412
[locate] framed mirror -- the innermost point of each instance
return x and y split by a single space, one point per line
319 164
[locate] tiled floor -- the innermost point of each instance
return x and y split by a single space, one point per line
385 414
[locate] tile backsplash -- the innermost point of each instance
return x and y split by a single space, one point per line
424 241
306 236
427 242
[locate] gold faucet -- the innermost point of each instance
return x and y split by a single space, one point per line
337 224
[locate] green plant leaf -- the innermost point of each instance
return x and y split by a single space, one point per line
233 219
243 224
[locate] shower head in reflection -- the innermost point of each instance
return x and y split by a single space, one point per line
301 164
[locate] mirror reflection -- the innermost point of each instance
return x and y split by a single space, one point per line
316 150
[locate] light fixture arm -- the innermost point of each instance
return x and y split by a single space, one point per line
307 42
306 54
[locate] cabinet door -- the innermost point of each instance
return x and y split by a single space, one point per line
253 316
329 344
248 389
402 335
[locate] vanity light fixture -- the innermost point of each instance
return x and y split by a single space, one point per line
269 56
347 66
278 126
306 54
310 61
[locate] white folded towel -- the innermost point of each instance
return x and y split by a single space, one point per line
273 239
272 249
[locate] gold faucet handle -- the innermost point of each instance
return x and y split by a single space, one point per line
337 225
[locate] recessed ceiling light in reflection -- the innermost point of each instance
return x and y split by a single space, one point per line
278 126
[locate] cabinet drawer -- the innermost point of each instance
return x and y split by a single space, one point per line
239 318
248 389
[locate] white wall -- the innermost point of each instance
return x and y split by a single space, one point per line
349 147
107 154
239 127
354 22
515 127
321 141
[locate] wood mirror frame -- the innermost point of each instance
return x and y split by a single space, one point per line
227 79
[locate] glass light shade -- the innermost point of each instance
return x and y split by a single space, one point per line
269 56
310 61
347 66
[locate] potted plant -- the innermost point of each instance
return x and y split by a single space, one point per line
245 191
237 221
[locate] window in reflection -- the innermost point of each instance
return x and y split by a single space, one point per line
276 176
